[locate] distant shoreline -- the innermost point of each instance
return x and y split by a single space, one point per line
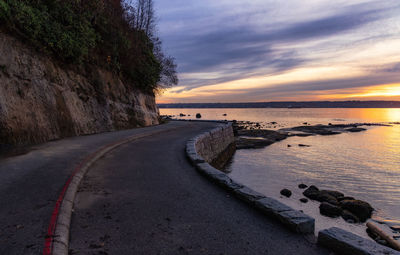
290 105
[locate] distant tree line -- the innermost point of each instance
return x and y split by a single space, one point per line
115 34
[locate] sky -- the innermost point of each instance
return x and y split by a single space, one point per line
274 50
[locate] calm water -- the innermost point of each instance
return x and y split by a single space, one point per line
365 165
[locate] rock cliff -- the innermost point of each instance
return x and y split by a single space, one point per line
40 100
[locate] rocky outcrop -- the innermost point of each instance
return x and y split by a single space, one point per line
257 138
40 100
330 129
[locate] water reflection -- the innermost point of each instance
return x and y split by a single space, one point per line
378 115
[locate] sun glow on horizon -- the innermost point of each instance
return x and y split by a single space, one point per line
373 92
381 91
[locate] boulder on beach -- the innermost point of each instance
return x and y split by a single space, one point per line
330 196
345 198
198 115
333 202
286 192
333 193
330 210
312 192
361 209
303 200
349 217
302 186
325 197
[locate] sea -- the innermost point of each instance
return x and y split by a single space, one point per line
364 165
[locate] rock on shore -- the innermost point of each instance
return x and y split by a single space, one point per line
334 204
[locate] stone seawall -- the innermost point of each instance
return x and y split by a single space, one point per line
211 144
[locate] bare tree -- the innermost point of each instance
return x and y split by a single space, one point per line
168 76
149 15
141 16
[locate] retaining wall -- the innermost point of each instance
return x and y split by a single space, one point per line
211 144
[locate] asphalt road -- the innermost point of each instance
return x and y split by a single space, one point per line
31 183
145 198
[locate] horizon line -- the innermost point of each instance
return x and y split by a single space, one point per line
263 102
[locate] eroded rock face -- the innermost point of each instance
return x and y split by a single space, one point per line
41 101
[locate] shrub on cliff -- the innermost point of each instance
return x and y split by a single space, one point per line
4 10
52 26
114 34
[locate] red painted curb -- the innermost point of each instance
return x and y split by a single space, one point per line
48 245
49 238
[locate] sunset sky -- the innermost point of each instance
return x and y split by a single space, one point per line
273 50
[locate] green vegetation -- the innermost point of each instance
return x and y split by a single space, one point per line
108 33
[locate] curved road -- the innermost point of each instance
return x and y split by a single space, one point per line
145 198
142 198
31 183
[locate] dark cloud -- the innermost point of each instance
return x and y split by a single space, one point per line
253 49
392 68
328 26
332 84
